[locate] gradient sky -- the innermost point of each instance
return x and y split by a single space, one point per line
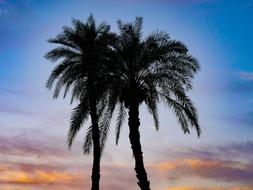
33 126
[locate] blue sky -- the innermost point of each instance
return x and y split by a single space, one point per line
217 32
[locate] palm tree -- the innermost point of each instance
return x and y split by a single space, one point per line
82 54
156 69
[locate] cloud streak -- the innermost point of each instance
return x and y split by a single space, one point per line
211 188
246 75
218 170
19 145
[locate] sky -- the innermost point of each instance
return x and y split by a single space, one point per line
33 125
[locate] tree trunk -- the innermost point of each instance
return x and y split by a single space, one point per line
95 177
96 148
134 137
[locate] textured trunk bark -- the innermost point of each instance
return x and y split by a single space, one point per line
134 136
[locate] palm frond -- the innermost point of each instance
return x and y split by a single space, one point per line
120 120
152 108
62 52
138 25
105 120
87 144
179 112
78 116
185 112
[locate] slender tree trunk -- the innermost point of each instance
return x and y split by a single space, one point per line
95 177
96 149
134 136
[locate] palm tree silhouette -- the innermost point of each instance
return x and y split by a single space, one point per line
151 70
82 54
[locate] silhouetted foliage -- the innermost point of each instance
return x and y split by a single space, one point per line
156 69
104 71
82 55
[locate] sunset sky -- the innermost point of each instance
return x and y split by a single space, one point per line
33 126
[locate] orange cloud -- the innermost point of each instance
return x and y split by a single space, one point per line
11 188
204 163
194 163
34 177
205 169
167 165
39 177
